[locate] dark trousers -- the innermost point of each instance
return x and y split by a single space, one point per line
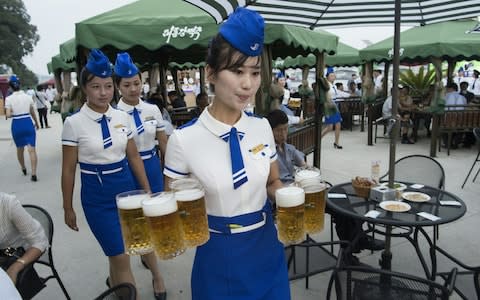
42 114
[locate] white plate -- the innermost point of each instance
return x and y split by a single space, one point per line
399 186
416 197
395 206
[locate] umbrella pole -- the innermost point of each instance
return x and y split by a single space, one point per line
387 255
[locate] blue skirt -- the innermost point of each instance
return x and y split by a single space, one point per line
241 266
333 119
23 131
153 170
99 204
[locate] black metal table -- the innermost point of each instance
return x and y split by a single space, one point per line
356 207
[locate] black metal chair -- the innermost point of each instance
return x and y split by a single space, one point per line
44 218
379 120
476 133
467 285
310 257
366 283
420 169
123 291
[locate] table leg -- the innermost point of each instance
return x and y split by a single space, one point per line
386 260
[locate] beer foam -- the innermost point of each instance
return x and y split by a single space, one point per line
159 204
313 188
131 201
289 196
306 174
189 194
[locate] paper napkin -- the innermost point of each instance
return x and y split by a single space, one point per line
428 216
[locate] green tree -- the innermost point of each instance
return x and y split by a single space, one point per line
17 37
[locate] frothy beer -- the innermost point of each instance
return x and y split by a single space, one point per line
165 225
290 214
191 207
135 232
307 176
314 207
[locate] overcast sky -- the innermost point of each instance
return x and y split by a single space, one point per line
55 21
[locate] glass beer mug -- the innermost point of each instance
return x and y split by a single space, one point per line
314 207
191 207
135 232
290 214
307 175
162 217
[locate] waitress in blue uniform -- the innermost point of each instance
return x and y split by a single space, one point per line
148 128
100 138
233 155
19 106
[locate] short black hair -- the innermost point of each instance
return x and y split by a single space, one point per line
452 85
277 117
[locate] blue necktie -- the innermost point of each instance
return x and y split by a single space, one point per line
107 139
138 122
239 174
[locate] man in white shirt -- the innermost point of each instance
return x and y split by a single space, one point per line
50 92
476 83
452 97
378 80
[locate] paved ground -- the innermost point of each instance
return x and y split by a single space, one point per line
83 267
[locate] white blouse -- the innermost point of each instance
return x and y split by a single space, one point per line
17 227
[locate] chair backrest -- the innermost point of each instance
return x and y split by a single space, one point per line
44 218
358 282
476 133
419 169
124 291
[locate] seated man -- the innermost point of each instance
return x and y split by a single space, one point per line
289 158
202 102
175 100
405 119
452 97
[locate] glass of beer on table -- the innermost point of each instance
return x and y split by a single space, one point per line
135 231
191 207
290 214
314 206
166 232
307 175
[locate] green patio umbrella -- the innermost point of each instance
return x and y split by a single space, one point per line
68 51
344 56
58 64
446 40
180 31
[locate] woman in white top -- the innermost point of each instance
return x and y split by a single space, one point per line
20 107
238 170
148 129
100 139
41 102
19 229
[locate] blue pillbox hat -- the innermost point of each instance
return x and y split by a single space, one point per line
280 75
98 64
244 30
124 66
13 79
330 70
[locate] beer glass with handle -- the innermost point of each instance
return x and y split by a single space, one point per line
135 232
290 214
314 206
191 207
165 226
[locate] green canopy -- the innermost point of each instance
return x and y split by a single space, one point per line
68 51
58 64
179 31
450 39
344 56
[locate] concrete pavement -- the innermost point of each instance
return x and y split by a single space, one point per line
83 267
